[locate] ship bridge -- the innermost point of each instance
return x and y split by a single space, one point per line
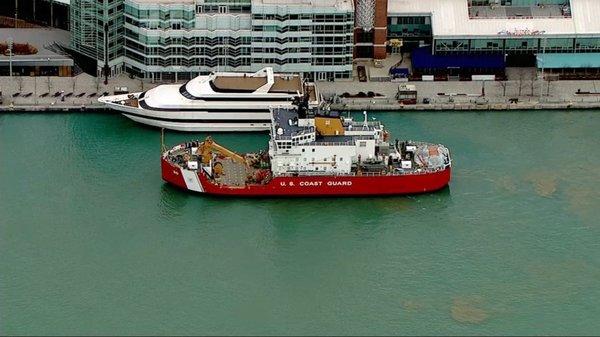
287 127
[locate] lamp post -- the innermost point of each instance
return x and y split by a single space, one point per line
10 53
483 88
106 68
16 12
51 13
542 61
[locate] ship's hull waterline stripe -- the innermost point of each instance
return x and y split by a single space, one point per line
198 121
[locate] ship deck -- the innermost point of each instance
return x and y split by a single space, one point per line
234 173
282 117
289 85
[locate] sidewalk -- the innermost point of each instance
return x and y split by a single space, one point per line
39 86
442 95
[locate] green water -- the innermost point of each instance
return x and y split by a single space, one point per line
93 242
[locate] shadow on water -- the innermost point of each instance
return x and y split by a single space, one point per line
289 215
172 201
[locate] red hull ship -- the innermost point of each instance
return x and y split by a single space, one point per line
313 186
320 156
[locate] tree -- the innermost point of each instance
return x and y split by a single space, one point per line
531 84
503 84
521 78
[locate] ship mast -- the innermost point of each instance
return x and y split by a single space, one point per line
163 148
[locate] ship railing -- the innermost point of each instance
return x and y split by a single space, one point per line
325 143
184 146
331 143
402 173
363 174
348 142
312 174
356 124
302 132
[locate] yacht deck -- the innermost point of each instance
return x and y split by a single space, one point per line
291 84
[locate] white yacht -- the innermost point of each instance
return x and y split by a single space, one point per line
217 102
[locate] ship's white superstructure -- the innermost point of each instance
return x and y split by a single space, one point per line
217 102
295 146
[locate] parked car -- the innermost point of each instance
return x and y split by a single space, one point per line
121 90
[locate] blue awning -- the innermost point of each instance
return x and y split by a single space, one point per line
568 61
423 59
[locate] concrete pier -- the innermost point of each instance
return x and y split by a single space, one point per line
37 94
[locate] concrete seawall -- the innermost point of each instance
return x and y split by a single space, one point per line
467 106
39 94
55 108
344 107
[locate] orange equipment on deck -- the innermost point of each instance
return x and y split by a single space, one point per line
206 149
329 126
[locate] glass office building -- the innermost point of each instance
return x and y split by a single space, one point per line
97 32
180 39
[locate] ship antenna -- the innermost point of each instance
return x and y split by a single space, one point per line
365 123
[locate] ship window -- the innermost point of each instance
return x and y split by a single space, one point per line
313 150
362 144
303 150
